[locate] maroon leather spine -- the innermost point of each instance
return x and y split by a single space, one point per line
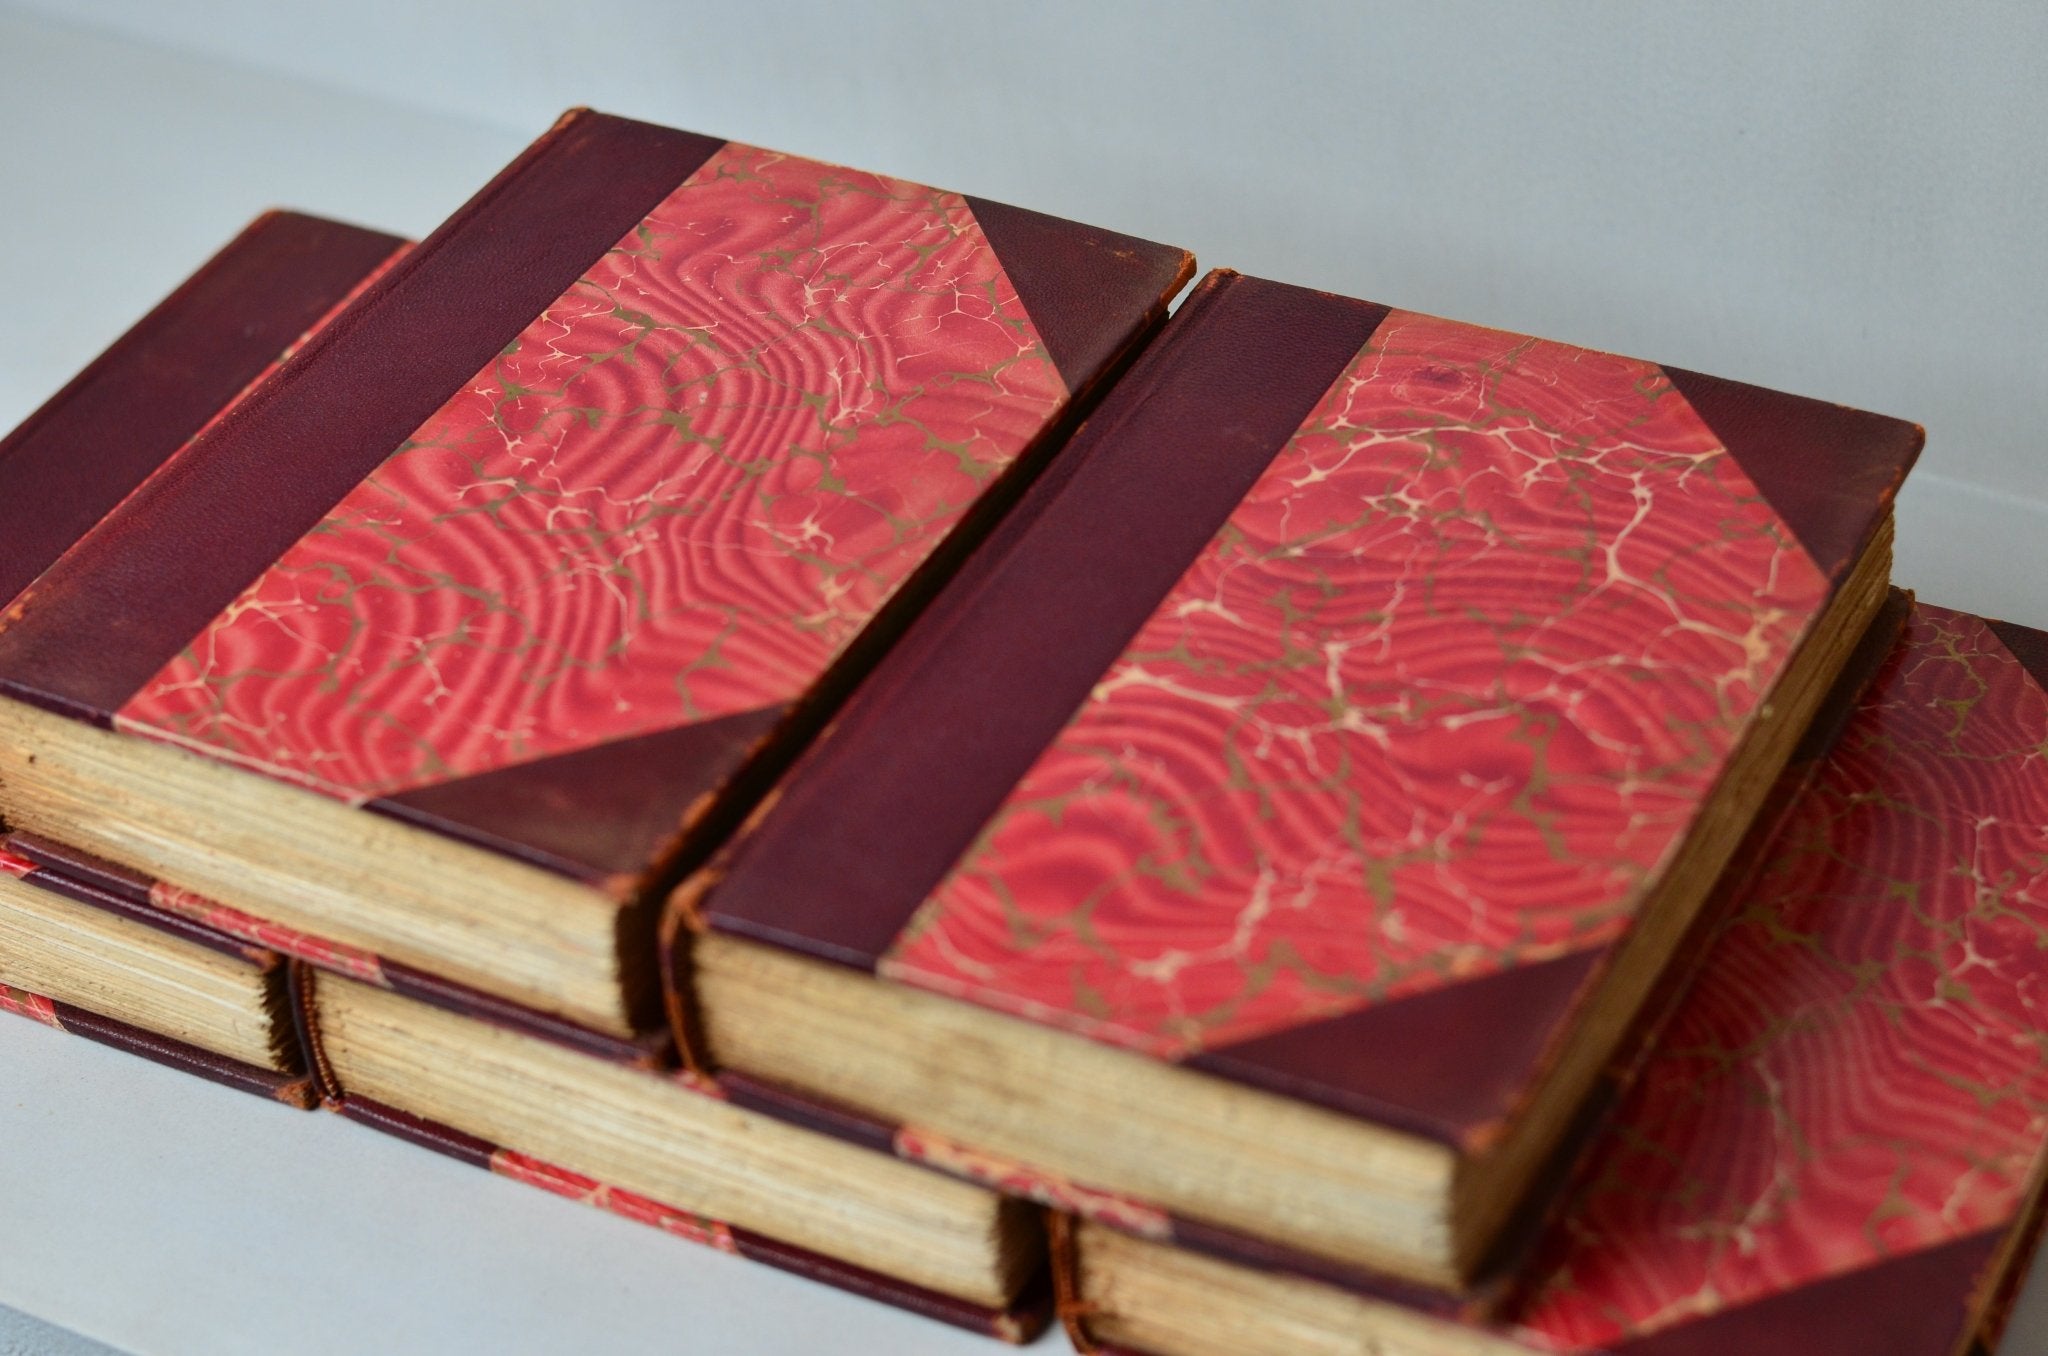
1011 647
73 460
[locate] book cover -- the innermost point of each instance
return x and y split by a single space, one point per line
597 502
1336 702
156 387
1837 1143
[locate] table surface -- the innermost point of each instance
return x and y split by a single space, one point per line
160 1214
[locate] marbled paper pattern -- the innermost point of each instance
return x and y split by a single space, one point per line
1861 1069
33 1006
676 495
328 955
578 1187
1442 695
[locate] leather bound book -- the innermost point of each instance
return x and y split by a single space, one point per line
1836 1144
463 636
670 1150
170 376
85 952
1270 834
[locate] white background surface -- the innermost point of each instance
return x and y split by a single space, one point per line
1843 200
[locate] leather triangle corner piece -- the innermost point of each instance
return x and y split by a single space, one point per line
596 812
1916 1305
1827 471
2027 645
1088 292
1450 1064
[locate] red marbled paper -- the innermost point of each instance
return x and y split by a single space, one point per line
33 1006
1860 1070
590 1191
677 495
1440 697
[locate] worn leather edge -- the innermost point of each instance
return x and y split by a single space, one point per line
1471 1049
594 814
1829 472
1087 290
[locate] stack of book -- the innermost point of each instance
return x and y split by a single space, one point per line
803 709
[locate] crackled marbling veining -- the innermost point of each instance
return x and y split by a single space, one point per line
1860 1070
1446 690
676 495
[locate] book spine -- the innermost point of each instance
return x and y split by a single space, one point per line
1019 1322
293 1090
131 409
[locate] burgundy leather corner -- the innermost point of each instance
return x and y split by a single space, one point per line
176 1054
109 615
1829 472
2028 646
73 460
442 1139
1451 1064
1090 293
882 805
1024 1319
1915 1305
595 813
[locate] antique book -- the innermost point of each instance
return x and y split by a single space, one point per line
1837 1143
84 951
82 946
1267 837
76 458
463 636
668 1149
